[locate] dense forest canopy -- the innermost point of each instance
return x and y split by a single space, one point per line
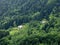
21 11
40 20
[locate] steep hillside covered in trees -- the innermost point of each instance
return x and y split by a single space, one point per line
40 20
22 11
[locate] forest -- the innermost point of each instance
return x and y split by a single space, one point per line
29 22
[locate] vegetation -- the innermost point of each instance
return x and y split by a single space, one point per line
40 20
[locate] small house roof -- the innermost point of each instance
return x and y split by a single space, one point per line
20 26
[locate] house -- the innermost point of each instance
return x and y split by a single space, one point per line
43 21
20 26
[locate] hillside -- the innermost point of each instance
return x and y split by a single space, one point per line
29 22
23 11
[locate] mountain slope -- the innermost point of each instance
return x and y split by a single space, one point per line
40 21
21 11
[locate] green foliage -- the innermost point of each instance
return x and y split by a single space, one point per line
40 20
